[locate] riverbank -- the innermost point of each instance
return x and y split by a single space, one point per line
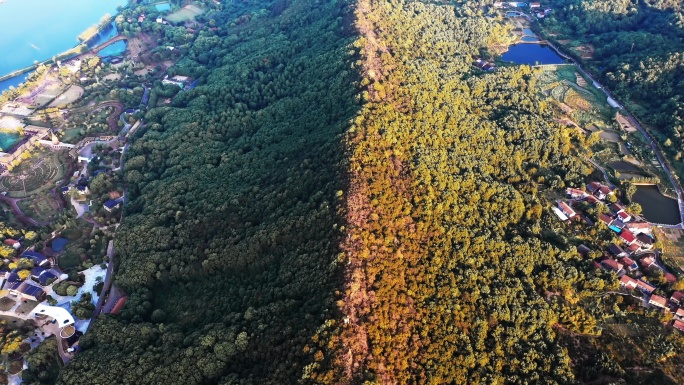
34 38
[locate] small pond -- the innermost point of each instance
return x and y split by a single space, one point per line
107 33
531 54
8 140
162 7
113 49
655 206
621 165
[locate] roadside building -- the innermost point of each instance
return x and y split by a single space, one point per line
658 301
535 4
645 287
679 325
627 282
629 263
559 213
627 236
565 209
592 200
612 265
647 261
616 250
111 205
24 290
645 241
639 227
13 243
37 258
679 314
584 250
677 297
606 219
42 276
575 193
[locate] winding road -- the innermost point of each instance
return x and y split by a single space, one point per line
674 181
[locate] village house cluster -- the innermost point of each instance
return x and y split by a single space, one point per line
635 253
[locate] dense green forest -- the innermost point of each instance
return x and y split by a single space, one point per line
230 240
346 199
637 52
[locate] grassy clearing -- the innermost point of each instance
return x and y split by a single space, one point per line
40 207
69 96
672 241
189 12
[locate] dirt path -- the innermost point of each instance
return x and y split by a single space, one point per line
23 218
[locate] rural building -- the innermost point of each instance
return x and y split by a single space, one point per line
647 261
592 200
628 282
25 290
613 265
632 248
535 5
658 301
679 314
111 205
630 263
12 243
575 193
119 305
42 276
606 219
616 250
65 190
624 216
38 258
677 297
639 227
627 236
82 190
584 250
645 241
559 213
645 287
679 325
565 209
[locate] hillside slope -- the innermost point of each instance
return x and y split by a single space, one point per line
229 244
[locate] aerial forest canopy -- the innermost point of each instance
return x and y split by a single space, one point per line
637 50
346 199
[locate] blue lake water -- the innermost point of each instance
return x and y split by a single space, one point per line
114 49
531 54
8 140
15 81
107 33
36 30
162 7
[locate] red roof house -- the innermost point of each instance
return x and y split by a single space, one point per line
679 325
645 287
566 209
658 301
679 313
605 219
628 282
12 242
677 297
627 236
629 262
624 216
611 264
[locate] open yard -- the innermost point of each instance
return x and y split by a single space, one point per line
186 13
6 303
69 96
41 207
673 246
35 174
